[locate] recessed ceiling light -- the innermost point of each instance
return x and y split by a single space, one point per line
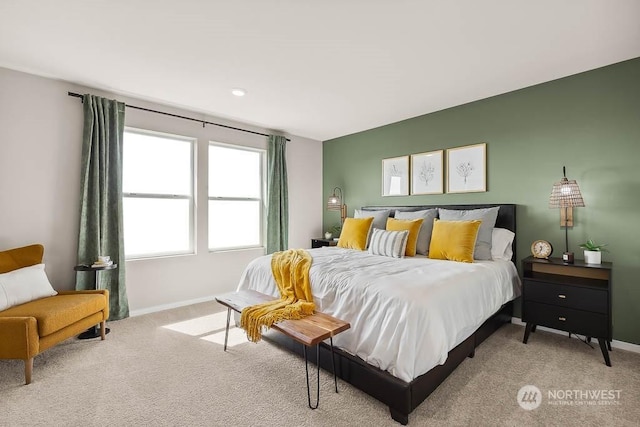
238 91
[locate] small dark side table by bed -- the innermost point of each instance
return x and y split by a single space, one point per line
94 332
320 242
575 298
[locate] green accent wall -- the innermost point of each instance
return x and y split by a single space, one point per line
588 122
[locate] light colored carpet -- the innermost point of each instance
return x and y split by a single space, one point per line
146 373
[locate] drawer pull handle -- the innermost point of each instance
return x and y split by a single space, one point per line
562 318
562 296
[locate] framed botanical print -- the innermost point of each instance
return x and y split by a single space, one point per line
427 173
395 176
467 169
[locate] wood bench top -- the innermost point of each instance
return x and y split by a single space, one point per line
309 330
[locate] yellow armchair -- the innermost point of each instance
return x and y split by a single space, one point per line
28 329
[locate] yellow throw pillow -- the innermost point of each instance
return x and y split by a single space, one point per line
354 233
454 240
411 225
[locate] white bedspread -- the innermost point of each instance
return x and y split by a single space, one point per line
405 314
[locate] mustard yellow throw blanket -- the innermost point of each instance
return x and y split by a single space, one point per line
291 272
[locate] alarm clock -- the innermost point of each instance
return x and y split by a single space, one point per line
541 249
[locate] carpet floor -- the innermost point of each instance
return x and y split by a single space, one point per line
168 369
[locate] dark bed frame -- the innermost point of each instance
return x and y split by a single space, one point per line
403 397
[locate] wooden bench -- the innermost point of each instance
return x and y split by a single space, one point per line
309 331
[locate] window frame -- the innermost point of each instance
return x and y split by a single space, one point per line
192 208
261 200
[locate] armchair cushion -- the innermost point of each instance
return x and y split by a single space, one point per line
55 313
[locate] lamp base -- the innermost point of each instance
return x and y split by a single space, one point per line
567 257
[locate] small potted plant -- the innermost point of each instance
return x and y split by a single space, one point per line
593 252
335 230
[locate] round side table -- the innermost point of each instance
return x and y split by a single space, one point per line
94 332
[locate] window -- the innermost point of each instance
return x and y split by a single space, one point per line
157 185
236 188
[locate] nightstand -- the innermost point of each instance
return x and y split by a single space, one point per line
575 298
320 242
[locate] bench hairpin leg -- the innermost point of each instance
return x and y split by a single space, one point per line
306 368
226 331
333 364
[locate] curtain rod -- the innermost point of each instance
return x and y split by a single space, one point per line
77 95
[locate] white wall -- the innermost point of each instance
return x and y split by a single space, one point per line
40 148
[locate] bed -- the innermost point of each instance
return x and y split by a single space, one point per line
414 320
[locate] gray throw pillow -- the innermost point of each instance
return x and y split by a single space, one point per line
379 217
488 217
424 237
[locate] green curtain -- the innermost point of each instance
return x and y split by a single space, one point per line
277 195
101 229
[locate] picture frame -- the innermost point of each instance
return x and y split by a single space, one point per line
395 176
467 169
427 173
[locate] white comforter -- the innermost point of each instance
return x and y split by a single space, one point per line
405 314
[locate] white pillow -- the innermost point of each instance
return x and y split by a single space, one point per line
388 243
501 240
24 285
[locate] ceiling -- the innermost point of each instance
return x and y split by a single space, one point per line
319 69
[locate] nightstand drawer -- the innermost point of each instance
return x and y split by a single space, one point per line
581 298
566 319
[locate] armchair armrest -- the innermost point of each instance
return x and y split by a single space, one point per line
18 338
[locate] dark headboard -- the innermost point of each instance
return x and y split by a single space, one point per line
506 215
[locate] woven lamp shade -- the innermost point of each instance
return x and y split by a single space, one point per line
566 194
334 203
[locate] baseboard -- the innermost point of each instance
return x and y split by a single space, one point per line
623 345
163 307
